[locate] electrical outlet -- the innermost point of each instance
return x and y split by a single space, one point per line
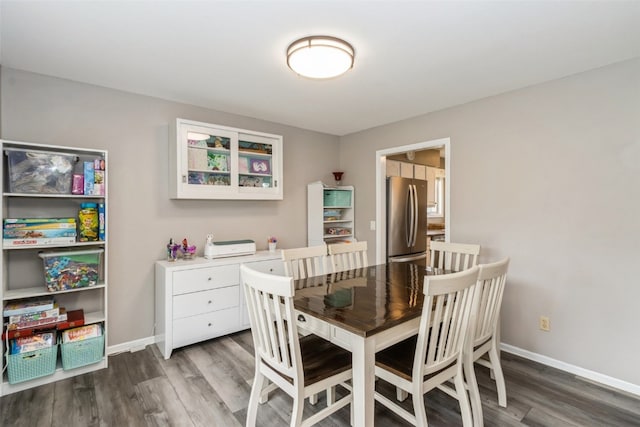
372 225
545 324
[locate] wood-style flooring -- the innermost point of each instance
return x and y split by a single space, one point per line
208 384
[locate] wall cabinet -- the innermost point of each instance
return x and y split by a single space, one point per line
208 161
202 299
31 190
330 214
406 170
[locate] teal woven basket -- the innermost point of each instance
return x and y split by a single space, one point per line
337 198
32 364
81 353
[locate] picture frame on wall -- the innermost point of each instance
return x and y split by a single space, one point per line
259 166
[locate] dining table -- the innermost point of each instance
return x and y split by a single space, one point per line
364 311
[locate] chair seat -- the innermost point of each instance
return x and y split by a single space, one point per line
322 359
398 359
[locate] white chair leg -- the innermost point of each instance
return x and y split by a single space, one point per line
461 392
313 399
494 357
331 396
418 408
254 399
474 392
401 395
296 413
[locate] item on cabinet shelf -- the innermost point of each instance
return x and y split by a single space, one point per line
338 177
233 248
66 320
332 214
35 319
89 177
77 186
22 231
71 270
81 333
27 305
31 365
337 198
81 353
208 247
39 172
32 343
259 166
338 231
88 222
102 222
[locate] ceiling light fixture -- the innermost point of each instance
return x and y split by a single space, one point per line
320 57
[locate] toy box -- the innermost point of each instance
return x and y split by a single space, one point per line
73 269
37 172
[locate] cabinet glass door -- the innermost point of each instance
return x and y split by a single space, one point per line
255 162
208 158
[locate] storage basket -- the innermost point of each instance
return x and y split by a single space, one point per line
332 214
38 172
340 198
81 353
72 269
32 364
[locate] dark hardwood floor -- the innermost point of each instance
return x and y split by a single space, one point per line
208 384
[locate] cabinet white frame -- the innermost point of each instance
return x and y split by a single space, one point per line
202 299
233 187
317 223
22 270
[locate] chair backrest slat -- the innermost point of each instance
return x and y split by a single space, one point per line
453 256
348 256
445 320
301 263
275 336
489 293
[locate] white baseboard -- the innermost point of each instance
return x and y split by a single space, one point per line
576 370
131 346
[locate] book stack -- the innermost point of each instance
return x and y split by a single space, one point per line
18 232
29 317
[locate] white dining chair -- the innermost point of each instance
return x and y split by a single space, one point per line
301 367
453 256
348 256
485 338
434 356
301 263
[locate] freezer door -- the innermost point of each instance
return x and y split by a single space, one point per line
399 221
420 244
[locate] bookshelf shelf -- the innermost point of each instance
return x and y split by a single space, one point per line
21 268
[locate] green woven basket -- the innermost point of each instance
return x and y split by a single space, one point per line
81 353
338 198
32 364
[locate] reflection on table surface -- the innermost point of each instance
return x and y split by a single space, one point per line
367 300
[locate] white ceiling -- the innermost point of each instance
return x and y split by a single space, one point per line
411 57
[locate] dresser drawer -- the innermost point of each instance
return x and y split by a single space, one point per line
200 279
202 302
189 330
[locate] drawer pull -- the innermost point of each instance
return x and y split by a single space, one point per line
209 302
209 324
209 279
301 318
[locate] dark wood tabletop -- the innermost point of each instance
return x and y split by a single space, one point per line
365 301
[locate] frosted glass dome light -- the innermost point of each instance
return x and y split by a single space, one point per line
320 57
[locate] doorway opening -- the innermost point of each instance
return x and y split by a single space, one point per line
381 193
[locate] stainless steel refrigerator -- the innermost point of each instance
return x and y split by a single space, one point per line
406 219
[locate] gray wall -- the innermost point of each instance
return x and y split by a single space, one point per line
142 218
548 175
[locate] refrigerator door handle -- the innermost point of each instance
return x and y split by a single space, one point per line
415 215
412 220
408 223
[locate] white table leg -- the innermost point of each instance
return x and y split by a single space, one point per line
363 353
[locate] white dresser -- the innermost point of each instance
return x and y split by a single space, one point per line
201 299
